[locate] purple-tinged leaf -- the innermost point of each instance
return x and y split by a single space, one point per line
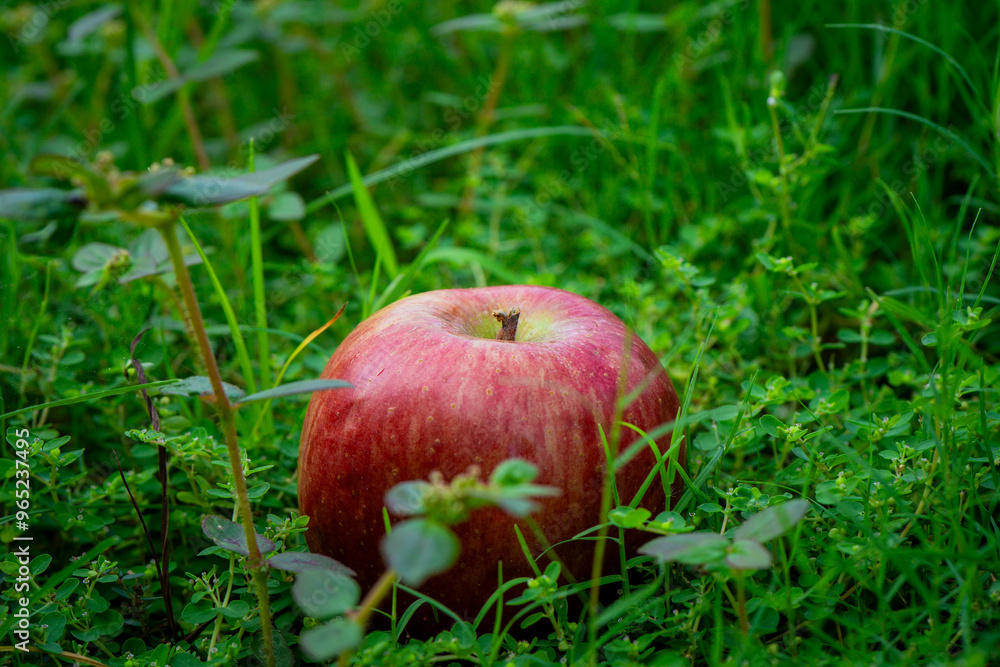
212 190
230 536
300 561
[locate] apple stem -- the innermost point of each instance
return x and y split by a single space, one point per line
508 323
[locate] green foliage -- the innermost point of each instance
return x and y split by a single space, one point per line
801 222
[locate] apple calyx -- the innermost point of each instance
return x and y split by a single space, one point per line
508 323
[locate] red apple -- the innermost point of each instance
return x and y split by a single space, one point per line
434 389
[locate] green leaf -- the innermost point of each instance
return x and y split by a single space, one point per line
232 537
287 206
184 660
94 256
108 622
835 403
235 610
220 64
40 203
748 555
330 640
292 388
212 190
300 561
771 522
420 548
63 168
402 282
771 424
374 227
512 472
89 23
199 385
407 498
199 612
627 517
323 593
689 548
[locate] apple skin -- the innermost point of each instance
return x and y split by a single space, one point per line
434 390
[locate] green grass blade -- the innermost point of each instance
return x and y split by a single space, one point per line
259 302
884 28
377 233
945 132
430 157
85 398
401 283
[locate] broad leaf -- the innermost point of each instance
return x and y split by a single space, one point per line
771 424
94 256
748 555
212 189
220 64
627 517
772 521
199 612
40 203
689 548
292 388
199 385
63 168
407 498
89 23
330 640
230 536
513 471
323 593
300 561
420 548
287 206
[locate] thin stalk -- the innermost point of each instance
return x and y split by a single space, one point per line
34 330
785 199
369 605
597 566
741 604
486 119
227 419
813 323
259 303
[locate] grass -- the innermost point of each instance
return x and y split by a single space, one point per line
806 235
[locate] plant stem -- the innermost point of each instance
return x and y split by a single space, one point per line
486 119
785 199
227 418
259 302
741 604
369 604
